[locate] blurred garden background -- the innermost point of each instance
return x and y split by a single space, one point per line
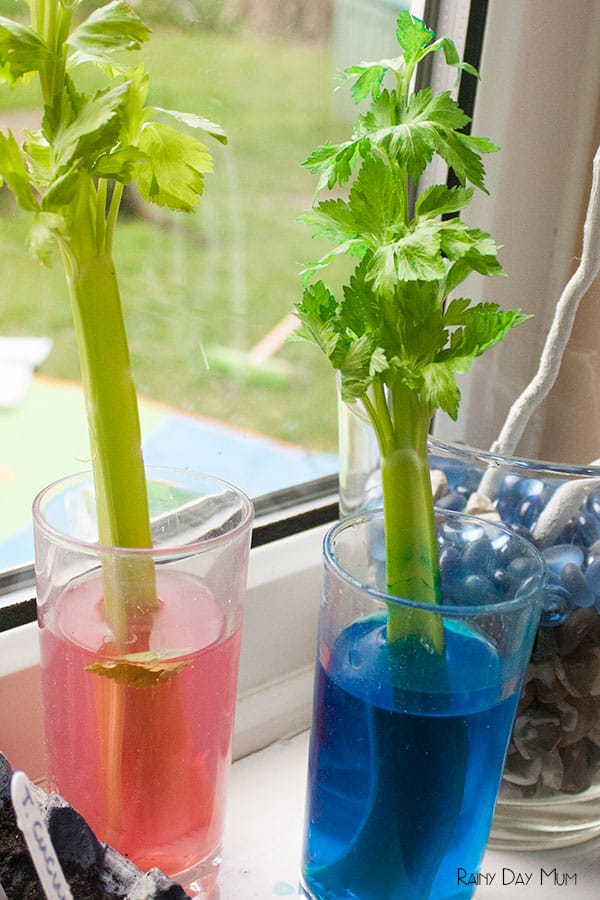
228 274
224 277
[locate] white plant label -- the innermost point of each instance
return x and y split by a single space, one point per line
31 823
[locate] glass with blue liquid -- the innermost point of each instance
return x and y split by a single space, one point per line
408 742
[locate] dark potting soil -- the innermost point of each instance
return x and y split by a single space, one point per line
93 870
18 876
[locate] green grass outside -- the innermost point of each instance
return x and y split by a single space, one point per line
227 274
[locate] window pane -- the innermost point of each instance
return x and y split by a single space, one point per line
207 297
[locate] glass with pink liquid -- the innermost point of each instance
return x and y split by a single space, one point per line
139 727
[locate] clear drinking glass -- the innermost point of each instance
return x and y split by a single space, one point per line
139 728
408 740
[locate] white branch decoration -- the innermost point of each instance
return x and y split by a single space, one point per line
560 330
558 336
563 505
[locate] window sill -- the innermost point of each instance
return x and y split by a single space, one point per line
261 849
263 839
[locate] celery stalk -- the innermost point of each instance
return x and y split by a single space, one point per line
412 566
111 405
115 436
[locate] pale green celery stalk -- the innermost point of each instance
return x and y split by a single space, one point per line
401 424
112 407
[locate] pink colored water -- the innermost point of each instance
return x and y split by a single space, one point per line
147 767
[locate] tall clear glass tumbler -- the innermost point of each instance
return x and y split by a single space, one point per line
139 723
408 741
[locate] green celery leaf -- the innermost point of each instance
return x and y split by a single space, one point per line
415 327
376 199
479 144
361 310
369 80
413 36
110 29
358 361
382 269
334 163
21 50
41 239
62 191
470 250
376 122
14 173
461 153
426 127
439 111
439 200
321 158
39 159
439 388
458 240
194 121
415 256
172 173
331 219
352 247
472 261
450 52
454 311
134 113
317 313
452 56
378 362
93 129
120 164
483 326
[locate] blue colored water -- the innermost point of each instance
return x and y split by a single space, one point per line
402 783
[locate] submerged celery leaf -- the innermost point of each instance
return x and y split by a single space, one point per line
143 670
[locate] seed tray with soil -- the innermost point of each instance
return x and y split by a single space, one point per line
93 870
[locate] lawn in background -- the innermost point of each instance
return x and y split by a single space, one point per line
228 274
